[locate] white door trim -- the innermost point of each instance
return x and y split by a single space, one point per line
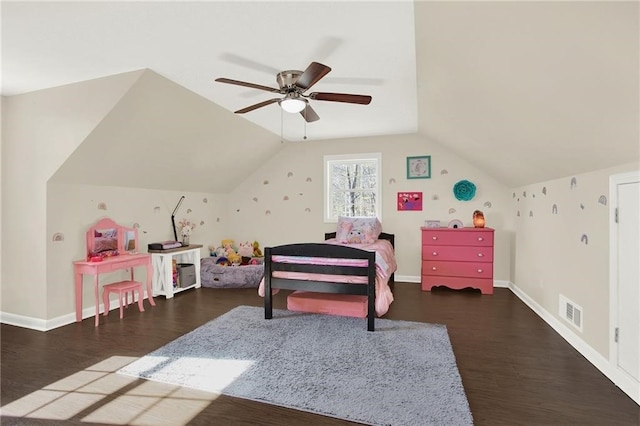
624 381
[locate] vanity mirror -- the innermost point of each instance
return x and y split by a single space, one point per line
130 240
106 238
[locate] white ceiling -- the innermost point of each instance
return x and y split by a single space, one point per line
370 48
527 91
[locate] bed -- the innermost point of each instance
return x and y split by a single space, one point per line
335 266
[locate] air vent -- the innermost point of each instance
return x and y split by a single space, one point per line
571 312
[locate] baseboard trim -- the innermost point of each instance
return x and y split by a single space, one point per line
47 325
591 355
407 279
23 321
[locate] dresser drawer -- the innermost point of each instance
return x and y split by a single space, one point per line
485 285
457 269
457 237
459 253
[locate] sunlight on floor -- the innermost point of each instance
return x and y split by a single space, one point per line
87 396
206 374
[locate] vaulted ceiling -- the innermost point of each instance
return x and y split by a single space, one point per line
528 91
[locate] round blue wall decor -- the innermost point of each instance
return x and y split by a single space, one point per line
464 190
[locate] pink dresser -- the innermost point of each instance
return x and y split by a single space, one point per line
457 258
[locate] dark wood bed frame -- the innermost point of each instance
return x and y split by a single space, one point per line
322 250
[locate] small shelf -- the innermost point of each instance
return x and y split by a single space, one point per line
179 289
162 263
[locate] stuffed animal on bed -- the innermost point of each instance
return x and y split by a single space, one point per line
256 249
355 236
228 245
234 257
245 250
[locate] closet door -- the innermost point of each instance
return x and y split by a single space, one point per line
625 283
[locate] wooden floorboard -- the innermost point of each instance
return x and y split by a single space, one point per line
516 370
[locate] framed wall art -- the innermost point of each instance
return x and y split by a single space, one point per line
419 167
409 201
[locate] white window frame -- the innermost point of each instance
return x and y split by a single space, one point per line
329 159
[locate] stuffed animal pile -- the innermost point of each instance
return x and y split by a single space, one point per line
228 254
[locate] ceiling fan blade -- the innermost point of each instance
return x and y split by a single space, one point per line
254 65
309 114
245 84
314 72
341 97
258 105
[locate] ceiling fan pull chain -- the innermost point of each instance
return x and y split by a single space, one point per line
281 126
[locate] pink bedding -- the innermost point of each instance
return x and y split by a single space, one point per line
385 266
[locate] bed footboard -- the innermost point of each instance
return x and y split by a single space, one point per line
311 267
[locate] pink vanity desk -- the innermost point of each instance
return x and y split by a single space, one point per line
120 238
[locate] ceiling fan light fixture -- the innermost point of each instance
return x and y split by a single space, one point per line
293 105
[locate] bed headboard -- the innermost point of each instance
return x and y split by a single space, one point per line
383 236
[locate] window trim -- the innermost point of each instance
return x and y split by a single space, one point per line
328 159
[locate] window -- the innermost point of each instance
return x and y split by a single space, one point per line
352 186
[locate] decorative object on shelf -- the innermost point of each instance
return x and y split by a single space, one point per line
478 219
456 223
432 224
186 227
419 167
464 190
409 201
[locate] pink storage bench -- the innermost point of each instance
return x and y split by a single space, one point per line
348 305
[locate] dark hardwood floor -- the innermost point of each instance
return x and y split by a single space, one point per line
516 370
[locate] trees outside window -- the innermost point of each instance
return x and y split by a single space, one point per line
352 186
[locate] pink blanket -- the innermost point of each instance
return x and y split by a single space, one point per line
385 266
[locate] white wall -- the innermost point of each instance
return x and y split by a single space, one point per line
72 209
257 209
282 201
565 249
40 130
1 186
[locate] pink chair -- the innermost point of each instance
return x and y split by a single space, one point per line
122 288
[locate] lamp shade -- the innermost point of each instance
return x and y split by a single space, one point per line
293 105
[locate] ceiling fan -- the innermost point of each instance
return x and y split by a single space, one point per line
293 84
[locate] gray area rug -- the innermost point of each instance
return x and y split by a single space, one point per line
404 373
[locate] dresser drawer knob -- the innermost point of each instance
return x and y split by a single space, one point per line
480 239
433 268
434 238
479 271
435 253
480 255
